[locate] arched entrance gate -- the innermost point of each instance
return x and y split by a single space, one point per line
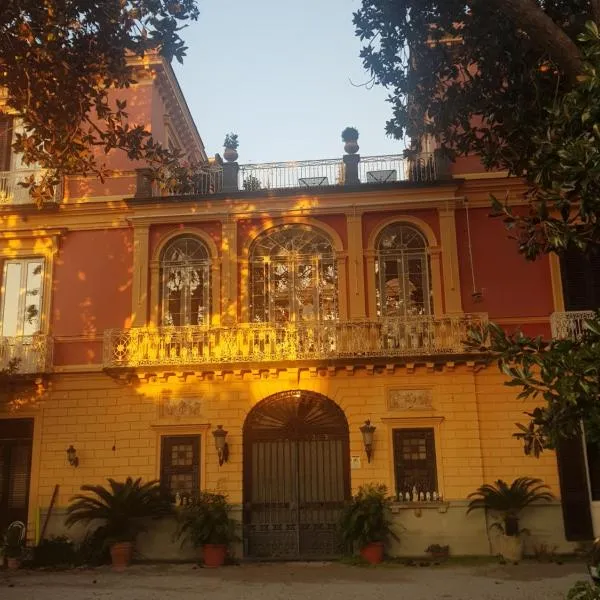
296 476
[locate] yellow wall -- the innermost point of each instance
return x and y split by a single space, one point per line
473 414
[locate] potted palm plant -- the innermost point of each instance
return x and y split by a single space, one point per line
206 522
506 502
366 522
350 139
123 508
231 144
12 548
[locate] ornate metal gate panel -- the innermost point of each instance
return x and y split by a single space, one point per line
296 476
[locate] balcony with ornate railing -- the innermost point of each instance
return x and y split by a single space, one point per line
29 353
11 192
262 342
569 324
306 174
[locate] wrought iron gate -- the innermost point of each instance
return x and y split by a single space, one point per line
296 476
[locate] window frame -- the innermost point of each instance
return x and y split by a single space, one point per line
402 258
293 262
24 262
416 423
153 316
165 470
204 265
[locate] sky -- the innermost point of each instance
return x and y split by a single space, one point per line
280 74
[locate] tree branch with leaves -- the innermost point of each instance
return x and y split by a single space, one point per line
59 63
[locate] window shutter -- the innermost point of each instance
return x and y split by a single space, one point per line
574 491
18 475
6 131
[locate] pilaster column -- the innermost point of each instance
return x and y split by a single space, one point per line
229 267
342 259
139 291
356 267
452 296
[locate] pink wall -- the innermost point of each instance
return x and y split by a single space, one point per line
92 282
511 286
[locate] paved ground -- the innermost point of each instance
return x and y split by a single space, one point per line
297 581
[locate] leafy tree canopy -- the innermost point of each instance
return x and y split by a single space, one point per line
489 77
518 83
58 61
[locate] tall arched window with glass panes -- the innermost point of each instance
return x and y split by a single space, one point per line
402 272
185 282
293 276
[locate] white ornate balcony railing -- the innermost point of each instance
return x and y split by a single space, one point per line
569 324
326 172
259 342
33 353
10 190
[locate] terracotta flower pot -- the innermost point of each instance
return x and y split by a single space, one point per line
230 154
13 564
120 554
351 147
372 553
213 555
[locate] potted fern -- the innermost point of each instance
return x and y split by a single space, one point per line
206 522
123 509
506 502
366 522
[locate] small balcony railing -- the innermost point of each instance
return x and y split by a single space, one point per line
33 354
261 342
570 324
10 190
306 174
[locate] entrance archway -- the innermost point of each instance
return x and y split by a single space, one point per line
296 476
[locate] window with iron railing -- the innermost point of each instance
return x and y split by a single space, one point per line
415 463
180 465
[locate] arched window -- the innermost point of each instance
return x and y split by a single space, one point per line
185 281
403 286
293 276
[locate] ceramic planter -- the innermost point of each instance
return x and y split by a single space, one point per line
230 154
120 555
372 553
351 147
511 547
213 555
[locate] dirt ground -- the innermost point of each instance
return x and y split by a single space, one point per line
297 581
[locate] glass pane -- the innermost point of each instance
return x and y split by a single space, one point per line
33 298
11 295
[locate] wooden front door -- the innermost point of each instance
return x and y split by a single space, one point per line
16 438
296 476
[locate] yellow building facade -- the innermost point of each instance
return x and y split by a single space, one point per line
289 316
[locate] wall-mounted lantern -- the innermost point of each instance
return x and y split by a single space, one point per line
72 456
221 444
367 434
